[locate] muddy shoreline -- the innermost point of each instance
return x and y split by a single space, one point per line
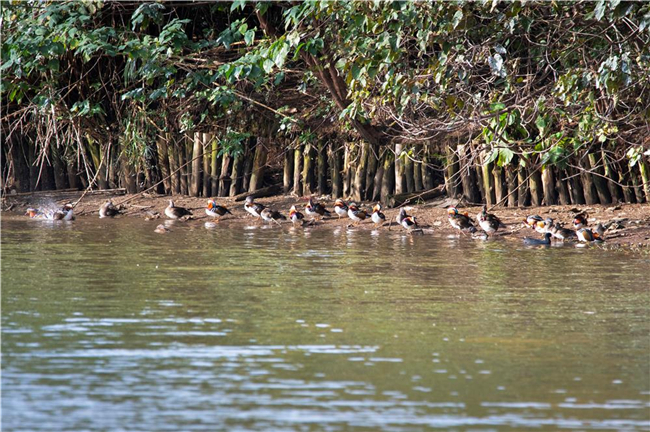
628 224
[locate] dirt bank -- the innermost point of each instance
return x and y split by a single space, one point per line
628 224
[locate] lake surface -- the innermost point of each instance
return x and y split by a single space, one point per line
108 326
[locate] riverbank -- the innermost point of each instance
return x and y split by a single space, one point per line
628 225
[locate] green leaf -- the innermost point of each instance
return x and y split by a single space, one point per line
249 37
267 65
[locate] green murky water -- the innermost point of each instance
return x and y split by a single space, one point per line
109 326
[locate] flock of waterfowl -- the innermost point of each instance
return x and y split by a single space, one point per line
487 222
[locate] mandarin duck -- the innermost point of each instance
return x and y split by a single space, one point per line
408 222
544 226
108 209
174 212
562 233
377 216
253 208
489 222
316 209
460 221
357 215
531 220
295 216
580 221
272 215
341 208
586 235
216 211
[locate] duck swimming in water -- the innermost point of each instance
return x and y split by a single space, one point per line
174 212
108 209
66 213
489 222
460 221
35 213
316 209
377 216
530 241
216 211
253 208
341 208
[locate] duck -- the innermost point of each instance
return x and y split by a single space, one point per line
66 213
531 241
531 220
253 208
357 215
295 216
174 212
600 230
161 229
313 209
489 222
216 211
340 208
562 233
580 221
377 216
586 235
35 213
544 226
460 221
108 209
408 222
272 215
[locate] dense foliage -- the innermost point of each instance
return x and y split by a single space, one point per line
522 83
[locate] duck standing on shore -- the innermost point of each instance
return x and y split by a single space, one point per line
489 222
216 211
460 221
586 235
272 215
174 212
296 217
253 208
532 220
377 216
316 209
544 226
408 222
580 221
340 208
357 215
108 209
562 233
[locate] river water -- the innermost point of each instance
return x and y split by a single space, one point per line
108 326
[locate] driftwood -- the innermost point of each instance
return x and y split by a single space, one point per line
260 193
413 197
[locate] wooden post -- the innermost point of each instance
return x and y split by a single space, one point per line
379 175
173 165
307 171
214 168
548 185
535 185
408 174
468 176
600 183
523 191
336 158
615 190
371 170
206 147
237 177
358 190
321 163
451 172
388 180
400 180
182 159
287 177
163 162
512 182
488 180
259 165
427 177
224 178
350 152
197 152
297 170
563 187
499 187
645 177
589 189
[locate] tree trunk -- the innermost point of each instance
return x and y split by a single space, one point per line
563 187
589 189
259 165
451 173
499 187
173 167
214 168
488 180
645 177
548 184
467 176
307 171
575 184
615 190
637 187
163 163
388 180
182 164
512 182
535 185
427 176
197 152
336 167
408 174
73 175
350 150
523 191
358 190
601 184
287 177
128 175
21 165
237 177
400 180
377 180
371 170
249 159
205 142
628 192
322 169
297 171
224 178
